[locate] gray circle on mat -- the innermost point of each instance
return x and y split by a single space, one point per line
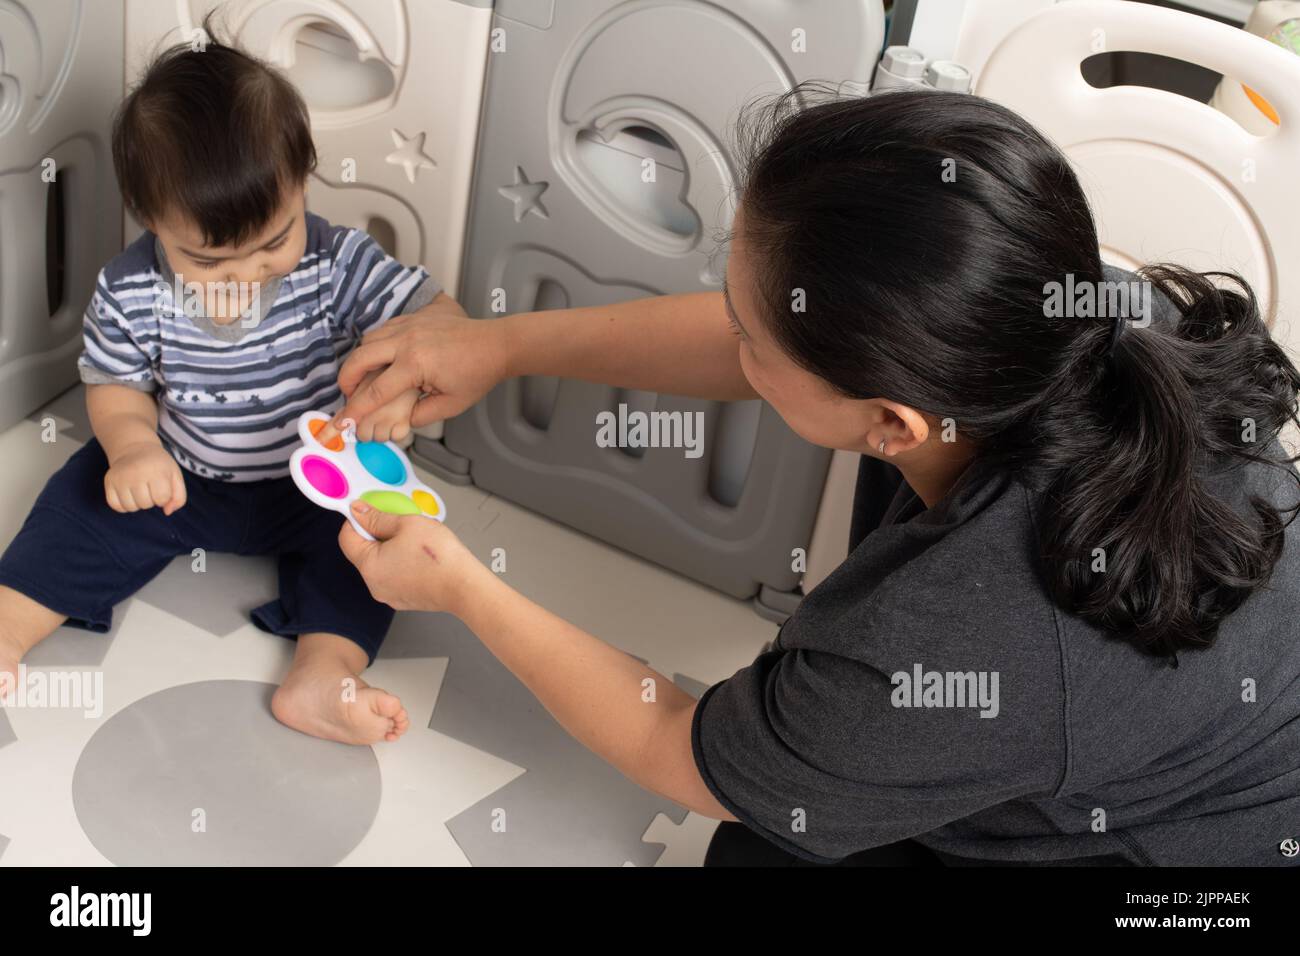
270 796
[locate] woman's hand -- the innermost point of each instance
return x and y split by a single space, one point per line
417 564
144 475
451 359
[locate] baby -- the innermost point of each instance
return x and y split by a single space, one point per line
204 341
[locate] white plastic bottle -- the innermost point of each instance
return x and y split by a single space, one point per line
947 76
900 67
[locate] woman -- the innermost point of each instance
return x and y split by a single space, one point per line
1066 628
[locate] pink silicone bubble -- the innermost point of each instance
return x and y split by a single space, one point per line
324 477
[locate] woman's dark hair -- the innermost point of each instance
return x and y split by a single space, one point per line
924 229
212 134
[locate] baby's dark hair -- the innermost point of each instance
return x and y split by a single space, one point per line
214 135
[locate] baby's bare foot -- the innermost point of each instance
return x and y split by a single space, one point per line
338 705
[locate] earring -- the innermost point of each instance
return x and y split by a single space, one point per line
881 446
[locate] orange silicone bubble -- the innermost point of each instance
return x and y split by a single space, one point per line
316 425
427 502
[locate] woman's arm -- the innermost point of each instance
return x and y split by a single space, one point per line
679 344
622 710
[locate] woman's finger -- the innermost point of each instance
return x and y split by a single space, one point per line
366 357
389 385
383 526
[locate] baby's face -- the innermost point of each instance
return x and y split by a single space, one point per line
231 275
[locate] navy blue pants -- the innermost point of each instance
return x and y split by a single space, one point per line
79 557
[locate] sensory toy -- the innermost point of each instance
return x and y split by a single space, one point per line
335 474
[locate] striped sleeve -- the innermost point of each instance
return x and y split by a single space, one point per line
369 286
110 355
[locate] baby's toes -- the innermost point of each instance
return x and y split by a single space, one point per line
398 725
385 704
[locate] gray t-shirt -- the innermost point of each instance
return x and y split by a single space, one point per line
1080 750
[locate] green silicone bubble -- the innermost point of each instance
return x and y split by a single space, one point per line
391 502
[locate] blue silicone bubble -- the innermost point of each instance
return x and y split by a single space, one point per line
378 459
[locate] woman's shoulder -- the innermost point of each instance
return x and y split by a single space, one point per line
963 570
945 605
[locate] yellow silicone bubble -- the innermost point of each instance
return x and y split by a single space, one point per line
391 502
427 502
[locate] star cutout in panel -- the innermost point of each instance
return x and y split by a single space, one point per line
526 196
410 154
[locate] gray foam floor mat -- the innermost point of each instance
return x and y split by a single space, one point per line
217 791
187 766
570 807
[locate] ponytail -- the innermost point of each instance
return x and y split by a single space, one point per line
1133 538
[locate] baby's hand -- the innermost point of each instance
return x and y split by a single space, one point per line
392 422
144 475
